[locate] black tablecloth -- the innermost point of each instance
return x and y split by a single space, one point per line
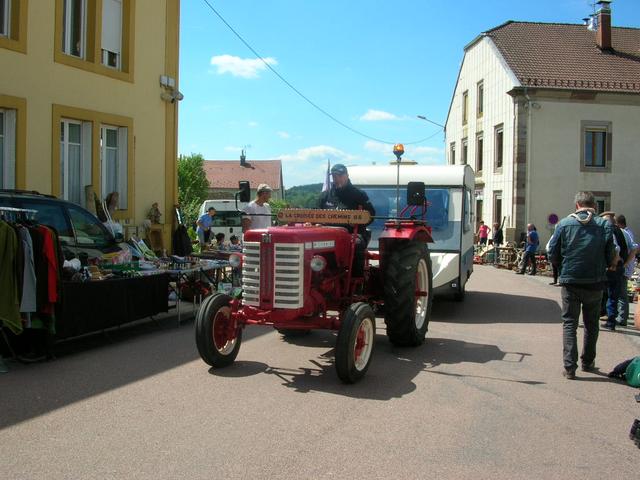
93 306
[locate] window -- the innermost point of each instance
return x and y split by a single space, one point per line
75 160
5 18
88 230
113 159
465 106
465 149
499 146
452 153
480 108
111 33
96 36
603 201
497 207
74 29
596 146
7 148
479 152
468 213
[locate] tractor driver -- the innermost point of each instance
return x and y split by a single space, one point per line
344 196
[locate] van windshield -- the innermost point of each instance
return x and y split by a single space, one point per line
227 219
443 214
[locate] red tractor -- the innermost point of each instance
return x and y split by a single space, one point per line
298 277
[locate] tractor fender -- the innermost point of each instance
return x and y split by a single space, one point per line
418 233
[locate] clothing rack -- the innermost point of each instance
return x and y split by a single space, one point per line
11 214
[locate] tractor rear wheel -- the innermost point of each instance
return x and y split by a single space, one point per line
356 339
218 336
407 293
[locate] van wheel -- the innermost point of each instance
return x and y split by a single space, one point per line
407 293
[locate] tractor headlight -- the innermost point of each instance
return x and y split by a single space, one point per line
318 263
235 260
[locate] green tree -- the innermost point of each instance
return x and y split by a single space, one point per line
192 185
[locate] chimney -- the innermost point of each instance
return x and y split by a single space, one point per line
603 34
243 159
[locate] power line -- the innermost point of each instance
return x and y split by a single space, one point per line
303 96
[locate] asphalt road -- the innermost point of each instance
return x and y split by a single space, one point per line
483 398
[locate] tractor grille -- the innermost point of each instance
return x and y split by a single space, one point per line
284 274
251 274
289 275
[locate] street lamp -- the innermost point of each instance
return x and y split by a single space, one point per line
422 117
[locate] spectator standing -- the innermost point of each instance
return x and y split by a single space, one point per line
258 211
498 237
204 224
530 249
629 266
483 233
582 245
615 274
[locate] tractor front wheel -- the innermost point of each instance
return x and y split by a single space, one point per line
407 293
218 336
356 338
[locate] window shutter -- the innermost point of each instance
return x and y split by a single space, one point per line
112 25
9 173
85 162
123 171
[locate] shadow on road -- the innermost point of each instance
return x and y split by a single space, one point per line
392 369
93 365
496 307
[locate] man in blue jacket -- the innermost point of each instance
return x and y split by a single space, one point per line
582 245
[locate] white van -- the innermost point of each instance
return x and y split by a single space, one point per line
450 214
227 220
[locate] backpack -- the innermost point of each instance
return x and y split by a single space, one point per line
628 370
632 373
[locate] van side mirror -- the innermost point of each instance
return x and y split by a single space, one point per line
245 191
415 193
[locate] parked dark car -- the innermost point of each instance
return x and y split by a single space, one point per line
79 230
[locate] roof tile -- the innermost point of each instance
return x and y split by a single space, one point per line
566 56
227 173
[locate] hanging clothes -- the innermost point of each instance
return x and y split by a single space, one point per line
28 301
9 298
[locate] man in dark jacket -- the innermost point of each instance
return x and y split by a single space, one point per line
582 245
344 196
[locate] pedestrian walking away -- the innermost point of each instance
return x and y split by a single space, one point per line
582 246
629 267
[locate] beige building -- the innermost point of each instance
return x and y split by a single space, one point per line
541 111
89 100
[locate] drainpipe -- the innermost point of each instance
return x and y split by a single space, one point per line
527 201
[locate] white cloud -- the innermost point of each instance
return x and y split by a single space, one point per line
308 165
252 124
240 67
283 134
378 147
378 115
318 152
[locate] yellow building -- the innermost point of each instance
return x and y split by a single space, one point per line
89 101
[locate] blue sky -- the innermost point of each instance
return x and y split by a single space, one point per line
372 64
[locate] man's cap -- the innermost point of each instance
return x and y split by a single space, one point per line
263 187
339 169
608 214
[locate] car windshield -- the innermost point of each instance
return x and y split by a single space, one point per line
443 214
227 219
